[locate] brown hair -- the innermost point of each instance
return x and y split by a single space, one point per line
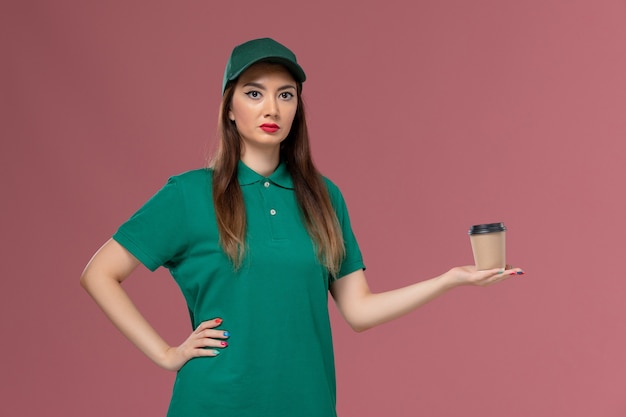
311 192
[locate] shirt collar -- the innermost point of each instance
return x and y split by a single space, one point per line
280 176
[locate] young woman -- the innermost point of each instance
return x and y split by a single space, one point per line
255 243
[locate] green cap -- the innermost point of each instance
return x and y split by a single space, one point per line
265 49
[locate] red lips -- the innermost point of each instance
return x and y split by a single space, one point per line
269 127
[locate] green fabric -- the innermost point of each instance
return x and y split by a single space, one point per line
256 50
279 361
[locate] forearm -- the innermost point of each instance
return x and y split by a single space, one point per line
385 306
363 309
119 308
372 309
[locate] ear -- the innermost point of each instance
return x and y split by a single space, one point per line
231 116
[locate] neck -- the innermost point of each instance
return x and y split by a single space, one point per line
261 161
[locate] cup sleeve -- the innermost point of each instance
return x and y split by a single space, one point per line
156 233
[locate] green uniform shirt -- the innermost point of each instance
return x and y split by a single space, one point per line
279 360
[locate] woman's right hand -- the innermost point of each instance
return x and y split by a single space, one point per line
204 341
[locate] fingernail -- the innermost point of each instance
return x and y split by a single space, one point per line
218 321
501 271
216 352
520 272
224 343
226 334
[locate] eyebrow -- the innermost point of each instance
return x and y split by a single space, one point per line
262 87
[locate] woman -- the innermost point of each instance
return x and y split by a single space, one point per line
255 243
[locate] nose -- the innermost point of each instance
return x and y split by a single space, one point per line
271 107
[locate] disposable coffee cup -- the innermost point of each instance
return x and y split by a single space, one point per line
488 245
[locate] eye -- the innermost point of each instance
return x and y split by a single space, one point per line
254 94
285 95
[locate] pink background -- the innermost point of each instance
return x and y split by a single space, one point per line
430 115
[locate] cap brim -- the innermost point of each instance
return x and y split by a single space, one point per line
296 71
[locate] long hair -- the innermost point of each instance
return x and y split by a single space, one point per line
311 191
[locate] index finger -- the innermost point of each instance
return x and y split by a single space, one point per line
209 324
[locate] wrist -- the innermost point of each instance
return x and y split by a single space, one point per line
165 358
449 280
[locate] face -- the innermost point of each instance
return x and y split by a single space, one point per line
264 105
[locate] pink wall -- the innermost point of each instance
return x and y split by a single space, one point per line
431 116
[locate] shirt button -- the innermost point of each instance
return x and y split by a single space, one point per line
273 212
266 184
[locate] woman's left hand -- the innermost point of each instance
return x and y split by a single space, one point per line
469 275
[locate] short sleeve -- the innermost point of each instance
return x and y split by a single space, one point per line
155 234
353 260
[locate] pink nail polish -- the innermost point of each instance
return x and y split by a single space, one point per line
224 344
